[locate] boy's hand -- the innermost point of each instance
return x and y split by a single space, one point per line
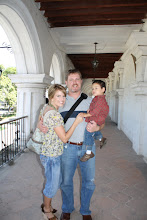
88 111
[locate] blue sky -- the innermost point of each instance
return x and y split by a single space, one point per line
6 58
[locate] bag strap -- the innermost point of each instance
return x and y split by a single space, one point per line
83 96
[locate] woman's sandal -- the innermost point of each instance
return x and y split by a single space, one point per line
42 207
53 218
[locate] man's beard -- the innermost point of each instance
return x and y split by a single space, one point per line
75 90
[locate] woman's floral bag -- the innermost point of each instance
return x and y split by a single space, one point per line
35 142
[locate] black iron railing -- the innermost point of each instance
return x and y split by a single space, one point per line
12 139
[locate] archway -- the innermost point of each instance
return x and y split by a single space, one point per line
20 33
86 88
31 81
55 70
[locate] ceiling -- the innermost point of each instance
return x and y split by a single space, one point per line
77 25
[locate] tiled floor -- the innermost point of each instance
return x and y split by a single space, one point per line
121 184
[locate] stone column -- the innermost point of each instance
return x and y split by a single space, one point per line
111 103
111 80
107 90
114 94
120 107
120 72
30 96
119 69
138 48
114 102
141 69
140 129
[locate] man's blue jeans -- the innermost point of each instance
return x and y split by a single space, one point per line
89 138
70 159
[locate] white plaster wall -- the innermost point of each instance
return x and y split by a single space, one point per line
129 110
132 92
144 149
128 120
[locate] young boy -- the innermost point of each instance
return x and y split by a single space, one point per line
97 112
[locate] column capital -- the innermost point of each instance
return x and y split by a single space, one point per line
119 64
31 80
140 88
137 38
120 92
144 26
121 71
113 93
136 45
107 80
111 75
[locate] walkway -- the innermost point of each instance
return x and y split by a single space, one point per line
121 184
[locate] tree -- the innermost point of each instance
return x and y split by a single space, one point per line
9 70
8 91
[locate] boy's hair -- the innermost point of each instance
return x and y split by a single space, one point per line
101 83
72 71
54 88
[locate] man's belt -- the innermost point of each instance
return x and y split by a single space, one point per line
79 143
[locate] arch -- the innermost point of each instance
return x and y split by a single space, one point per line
117 85
129 71
20 29
52 73
86 87
55 70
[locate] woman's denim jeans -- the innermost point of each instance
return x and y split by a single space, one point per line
52 166
70 159
89 138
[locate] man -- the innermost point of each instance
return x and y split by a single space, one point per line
73 151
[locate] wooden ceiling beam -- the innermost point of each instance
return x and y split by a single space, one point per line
53 0
102 11
95 1
93 23
106 64
95 17
85 4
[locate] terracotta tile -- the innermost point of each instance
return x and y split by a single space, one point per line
117 186
121 184
125 213
120 197
135 192
139 205
105 203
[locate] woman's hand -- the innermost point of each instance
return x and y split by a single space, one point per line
82 114
64 136
79 118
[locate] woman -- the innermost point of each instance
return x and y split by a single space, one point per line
52 147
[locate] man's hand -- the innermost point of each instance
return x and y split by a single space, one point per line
41 127
92 126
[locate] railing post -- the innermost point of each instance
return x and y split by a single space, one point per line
12 139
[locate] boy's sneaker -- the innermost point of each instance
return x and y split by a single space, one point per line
103 142
87 157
